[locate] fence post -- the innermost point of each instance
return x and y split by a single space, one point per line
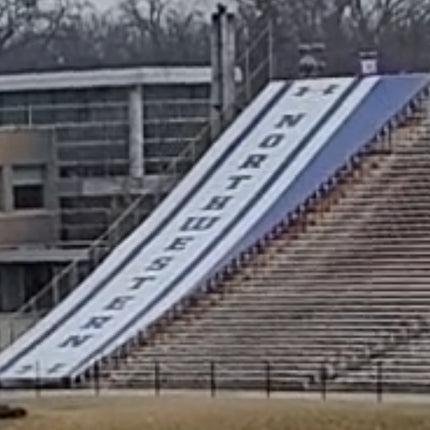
30 115
55 290
73 279
37 385
12 330
213 379
96 369
390 140
323 378
33 310
157 385
136 215
268 380
379 383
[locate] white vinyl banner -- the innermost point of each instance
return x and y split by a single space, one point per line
242 176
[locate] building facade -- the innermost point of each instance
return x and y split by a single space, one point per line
75 149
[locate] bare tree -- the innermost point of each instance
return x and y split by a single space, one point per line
73 33
398 29
159 32
187 37
22 20
26 30
144 22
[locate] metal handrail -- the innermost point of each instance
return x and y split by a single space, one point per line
98 105
28 114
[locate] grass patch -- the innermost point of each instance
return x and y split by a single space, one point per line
144 413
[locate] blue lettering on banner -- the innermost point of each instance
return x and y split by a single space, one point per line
254 161
199 224
235 181
330 89
118 303
272 141
56 368
290 120
301 91
180 243
25 369
139 281
217 203
75 341
96 323
159 264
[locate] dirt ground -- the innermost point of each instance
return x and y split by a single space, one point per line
178 413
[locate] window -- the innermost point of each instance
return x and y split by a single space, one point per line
28 196
28 187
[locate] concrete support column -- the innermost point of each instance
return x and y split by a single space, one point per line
7 188
223 53
229 59
51 181
136 140
216 89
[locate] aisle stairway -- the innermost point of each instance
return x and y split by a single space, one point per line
345 285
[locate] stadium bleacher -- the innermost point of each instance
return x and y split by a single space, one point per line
344 285
338 278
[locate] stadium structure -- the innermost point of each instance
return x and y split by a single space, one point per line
77 148
296 246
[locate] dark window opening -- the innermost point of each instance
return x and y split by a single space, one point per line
28 196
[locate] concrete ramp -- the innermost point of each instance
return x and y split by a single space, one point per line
211 216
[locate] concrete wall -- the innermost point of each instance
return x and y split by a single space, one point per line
27 226
223 56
